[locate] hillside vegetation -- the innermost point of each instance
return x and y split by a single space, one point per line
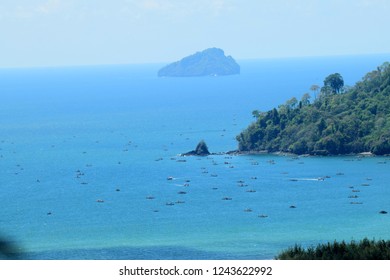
340 120
362 250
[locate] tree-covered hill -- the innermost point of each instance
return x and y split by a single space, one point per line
339 121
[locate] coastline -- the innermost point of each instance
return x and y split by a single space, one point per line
281 153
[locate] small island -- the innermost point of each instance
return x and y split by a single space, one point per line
200 150
210 62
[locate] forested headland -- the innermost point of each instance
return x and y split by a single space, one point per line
336 120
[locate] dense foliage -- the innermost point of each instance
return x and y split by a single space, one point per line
363 250
340 120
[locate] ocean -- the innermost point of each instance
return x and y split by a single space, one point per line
89 165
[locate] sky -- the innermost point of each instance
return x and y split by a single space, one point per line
36 33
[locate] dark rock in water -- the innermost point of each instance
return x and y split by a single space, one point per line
210 62
200 150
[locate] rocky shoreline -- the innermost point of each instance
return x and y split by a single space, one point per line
202 150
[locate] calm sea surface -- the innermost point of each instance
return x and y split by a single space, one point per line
85 153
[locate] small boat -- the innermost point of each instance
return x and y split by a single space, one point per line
100 200
169 178
248 210
226 198
150 197
263 216
169 203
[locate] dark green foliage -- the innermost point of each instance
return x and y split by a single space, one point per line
335 82
363 250
355 121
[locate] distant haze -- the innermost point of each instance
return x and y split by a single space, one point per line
74 32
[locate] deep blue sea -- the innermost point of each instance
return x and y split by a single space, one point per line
85 153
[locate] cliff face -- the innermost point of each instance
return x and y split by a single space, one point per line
210 62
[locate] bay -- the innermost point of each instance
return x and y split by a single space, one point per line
85 149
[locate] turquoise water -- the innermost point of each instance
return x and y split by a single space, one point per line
70 137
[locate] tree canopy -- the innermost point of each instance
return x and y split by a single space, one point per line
362 250
355 120
334 82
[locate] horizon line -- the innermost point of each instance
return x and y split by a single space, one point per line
165 63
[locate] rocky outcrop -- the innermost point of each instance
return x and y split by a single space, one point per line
200 150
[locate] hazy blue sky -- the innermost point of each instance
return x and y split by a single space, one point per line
73 32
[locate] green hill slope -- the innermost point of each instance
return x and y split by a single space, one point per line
339 121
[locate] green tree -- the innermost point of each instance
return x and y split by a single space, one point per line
315 89
306 99
361 250
291 103
256 114
335 82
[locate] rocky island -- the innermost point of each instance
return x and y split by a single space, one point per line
210 62
200 150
